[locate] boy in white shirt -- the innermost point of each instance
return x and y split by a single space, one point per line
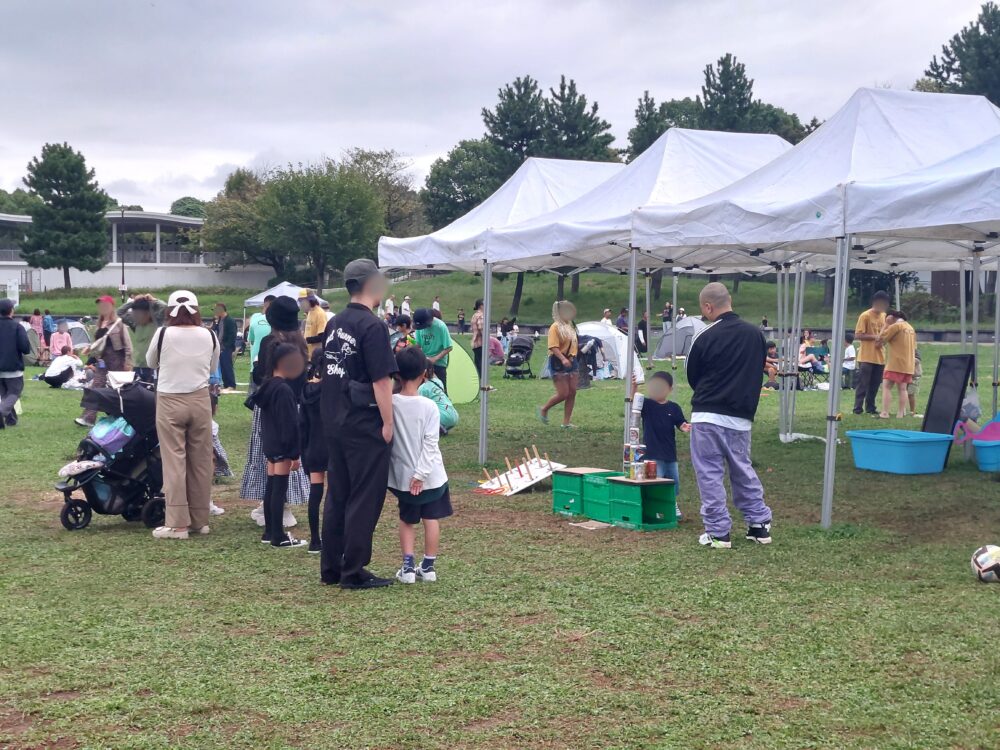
416 470
850 362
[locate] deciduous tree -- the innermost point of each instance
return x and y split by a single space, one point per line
188 206
468 175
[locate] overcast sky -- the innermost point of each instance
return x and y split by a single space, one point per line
165 98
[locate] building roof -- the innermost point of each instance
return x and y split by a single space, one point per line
133 221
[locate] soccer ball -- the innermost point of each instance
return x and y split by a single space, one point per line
986 563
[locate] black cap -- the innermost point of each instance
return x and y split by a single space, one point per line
357 272
422 318
6 306
283 314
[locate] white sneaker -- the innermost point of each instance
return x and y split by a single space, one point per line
678 508
165 532
215 510
257 514
288 520
427 576
406 576
82 422
203 530
715 542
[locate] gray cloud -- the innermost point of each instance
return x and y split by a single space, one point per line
164 98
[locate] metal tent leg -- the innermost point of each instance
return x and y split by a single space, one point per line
895 280
976 270
484 378
837 362
962 303
649 321
630 347
996 336
673 322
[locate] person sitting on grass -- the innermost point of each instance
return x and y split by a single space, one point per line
660 418
63 368
280 439
772 365
416 469
900 361
431 388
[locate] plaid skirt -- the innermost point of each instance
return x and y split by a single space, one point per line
255 473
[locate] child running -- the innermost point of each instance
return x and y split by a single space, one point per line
660 417
279 433
416 470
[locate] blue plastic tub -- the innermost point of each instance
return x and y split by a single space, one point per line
987 454
900 451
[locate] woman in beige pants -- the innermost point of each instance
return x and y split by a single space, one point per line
185 353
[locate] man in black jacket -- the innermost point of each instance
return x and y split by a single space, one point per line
13 346
724 369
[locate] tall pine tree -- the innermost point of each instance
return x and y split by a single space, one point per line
68 228
517 123
970 61
574 130
727 95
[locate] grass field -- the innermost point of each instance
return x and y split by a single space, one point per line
597 291
538 634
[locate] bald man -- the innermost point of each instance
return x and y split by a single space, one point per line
724 369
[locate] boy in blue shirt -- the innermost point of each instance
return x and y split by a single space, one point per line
660 418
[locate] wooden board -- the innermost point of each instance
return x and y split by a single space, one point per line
626 480
515 481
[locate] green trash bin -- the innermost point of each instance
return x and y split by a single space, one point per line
567 489
597 495
643 504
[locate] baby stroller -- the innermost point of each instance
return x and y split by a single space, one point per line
519 358
118 470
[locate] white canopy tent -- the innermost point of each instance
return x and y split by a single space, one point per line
800 204
284 289
538 186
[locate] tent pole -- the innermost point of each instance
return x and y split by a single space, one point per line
796 332
976 270
649 319
673 323
791 351
962 301
484 378
780 328
895 280
996 336
630 346
836 367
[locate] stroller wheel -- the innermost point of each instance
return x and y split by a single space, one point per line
75 514
132 513
154 513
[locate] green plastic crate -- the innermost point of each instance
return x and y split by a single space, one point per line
597 495
567 490
644 506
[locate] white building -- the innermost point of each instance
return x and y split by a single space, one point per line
148 250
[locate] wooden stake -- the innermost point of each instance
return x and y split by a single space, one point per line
509 469
548 461
499 480
537 457
528 468
527 455
487 473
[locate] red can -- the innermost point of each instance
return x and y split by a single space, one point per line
651 470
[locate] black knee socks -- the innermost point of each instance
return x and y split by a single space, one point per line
276 503
315 499
266 506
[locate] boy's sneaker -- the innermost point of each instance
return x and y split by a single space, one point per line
759 532
203 530
427 575
406 575
715 542
315 548
289 542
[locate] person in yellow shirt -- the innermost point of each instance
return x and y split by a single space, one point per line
315 319
901 339
871 357
562 345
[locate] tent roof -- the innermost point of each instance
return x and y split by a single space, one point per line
284 289
679 166
538 186
797 201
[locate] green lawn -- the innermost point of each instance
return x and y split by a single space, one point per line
538 634
597 291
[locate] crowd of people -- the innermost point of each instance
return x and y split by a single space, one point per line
349 406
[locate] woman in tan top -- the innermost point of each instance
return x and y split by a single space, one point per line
562 362
901 339
112 348
477 335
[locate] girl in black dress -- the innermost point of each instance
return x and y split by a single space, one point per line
315 456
